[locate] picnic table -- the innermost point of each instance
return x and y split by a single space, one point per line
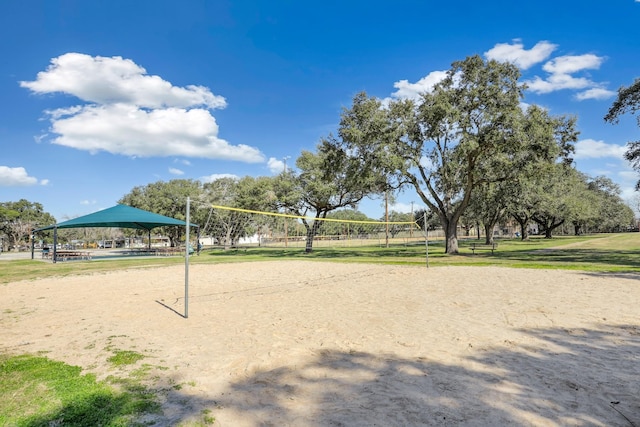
169 251
483 246
69 255
143 251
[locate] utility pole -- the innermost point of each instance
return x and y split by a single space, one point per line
412 219
386 218
286 231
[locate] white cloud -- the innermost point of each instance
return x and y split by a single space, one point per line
408 90
560 77
517 54
560 69
557 82
88 202
215 176
131 113
595 93
16 177
573 63
131 131
175 171
276 166
107 80
592 149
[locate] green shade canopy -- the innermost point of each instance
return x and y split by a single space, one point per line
120 216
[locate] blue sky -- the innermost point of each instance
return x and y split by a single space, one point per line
99 97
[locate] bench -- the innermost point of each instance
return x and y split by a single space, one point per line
483 247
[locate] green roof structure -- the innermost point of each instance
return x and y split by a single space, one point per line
120 216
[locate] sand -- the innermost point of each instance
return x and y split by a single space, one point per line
301 343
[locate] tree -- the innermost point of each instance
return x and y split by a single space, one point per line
550 141
562 198
328 179
489 205
613 214
422 215
228 226
168 199
628 101
395 229
344 228
465 132
19 219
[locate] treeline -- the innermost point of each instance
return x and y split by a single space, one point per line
585 203
468 148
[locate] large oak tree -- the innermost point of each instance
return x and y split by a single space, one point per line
468 131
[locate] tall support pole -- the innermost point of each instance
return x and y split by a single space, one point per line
186 264
426 236
386 219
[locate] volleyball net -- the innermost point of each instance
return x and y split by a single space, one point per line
233 227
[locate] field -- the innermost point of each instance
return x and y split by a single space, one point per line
366 337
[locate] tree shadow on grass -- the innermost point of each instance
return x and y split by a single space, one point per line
620 258
558 377
58 394
136 405
99 408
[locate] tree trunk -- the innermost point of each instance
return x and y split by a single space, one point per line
311 232
451 237
523 221
227 239
488 231
577 227
548 224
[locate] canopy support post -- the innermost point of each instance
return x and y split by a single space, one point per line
186 265
55 245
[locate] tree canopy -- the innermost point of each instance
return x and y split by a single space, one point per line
19 219
326 180
628 101
468 131
165 198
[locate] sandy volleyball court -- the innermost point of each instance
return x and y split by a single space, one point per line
327 344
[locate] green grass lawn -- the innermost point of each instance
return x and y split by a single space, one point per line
37 391
600 252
